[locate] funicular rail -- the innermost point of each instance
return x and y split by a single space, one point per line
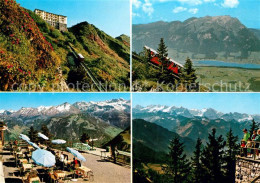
97 83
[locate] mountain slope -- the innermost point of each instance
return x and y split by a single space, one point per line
122 141
220 37
71 127
256 32
156 137
25 54
108 57
32 51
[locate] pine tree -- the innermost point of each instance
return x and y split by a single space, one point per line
32 134
178 167
230 156
46 131
254 126
84 137
163 53
197 171
188 73
212 159
148 55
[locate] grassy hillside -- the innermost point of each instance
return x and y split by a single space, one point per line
31 51
122 141
109 58
26 56
69 127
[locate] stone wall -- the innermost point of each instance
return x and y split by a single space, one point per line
247 170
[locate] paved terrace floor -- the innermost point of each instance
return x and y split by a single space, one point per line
104 171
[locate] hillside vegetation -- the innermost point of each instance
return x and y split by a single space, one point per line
32 51
69 127
26 56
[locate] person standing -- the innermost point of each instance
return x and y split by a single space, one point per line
245 139
257 142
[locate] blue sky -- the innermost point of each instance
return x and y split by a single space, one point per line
224 102
111 16
146 11
15 101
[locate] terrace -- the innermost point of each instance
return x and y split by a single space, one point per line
18 166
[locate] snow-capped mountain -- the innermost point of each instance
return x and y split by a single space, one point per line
108 105
208 113
6 112
65 108
195 123
115 111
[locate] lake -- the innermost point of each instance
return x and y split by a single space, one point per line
225 64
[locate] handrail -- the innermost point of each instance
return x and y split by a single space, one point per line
251 147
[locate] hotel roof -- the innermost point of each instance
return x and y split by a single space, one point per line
50 13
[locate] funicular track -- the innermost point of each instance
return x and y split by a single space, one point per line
97 83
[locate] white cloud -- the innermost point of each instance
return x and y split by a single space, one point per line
137 3
179 9
135 14
230 3
148 7
191 2
208 1
193 10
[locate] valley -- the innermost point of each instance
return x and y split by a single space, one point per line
102 120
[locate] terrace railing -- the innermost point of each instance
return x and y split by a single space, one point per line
253 147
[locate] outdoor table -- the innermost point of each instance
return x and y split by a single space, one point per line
26 166
19 153
59 174
86 171
30 148
23 161
34 179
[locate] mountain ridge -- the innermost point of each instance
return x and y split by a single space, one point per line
114 111
219 38
195 123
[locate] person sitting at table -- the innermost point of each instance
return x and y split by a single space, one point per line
76 163
61 158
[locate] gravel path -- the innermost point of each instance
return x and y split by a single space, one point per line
107 172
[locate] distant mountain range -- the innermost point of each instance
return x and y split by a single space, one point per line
103 120
220 38
115 112
194 123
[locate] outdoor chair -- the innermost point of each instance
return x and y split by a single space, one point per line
52 177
